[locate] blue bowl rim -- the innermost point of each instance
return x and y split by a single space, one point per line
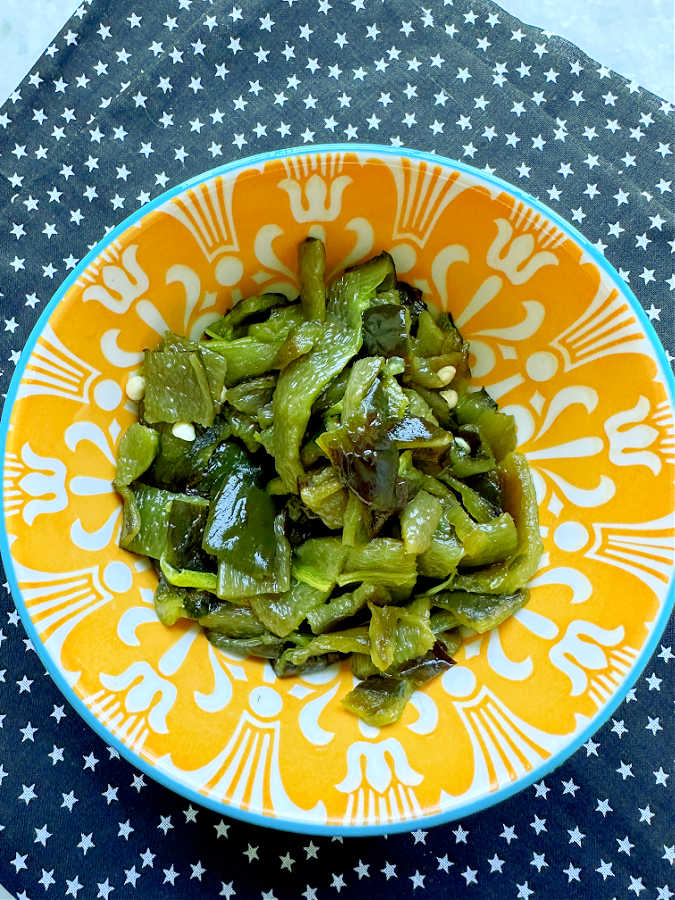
309 827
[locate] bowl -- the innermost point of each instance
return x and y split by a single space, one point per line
556 337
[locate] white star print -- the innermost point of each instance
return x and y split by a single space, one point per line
625 770
197 870
362 870
646 815
131 876
572 873
443 863
86 842
625 845
605 869
27 791
28 733
221 829
104 889
47 879
417 880
338 882
538 825
19 862
125 829
170 875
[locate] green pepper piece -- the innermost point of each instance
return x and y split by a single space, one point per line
248 396
484 543
477 506
249 307
303 380
326 616
418 406
238 586
299 341
362 450
179 463
369 468
282 613
318 562
489 486
188 578
439 407
246 357
215 367
380 699
209 478
363 666
266 645
444 553
278 326
185 530
411 298
452 640
423 371
146 512
442 619
352 292
520 500
437 337
332 395
469 454
176 388
245 428
419 521
482 612
411 432
356 522
323 493
358 399
234 621
174 461
135 453
499 428
214 364
430 339
285 667
168 602
380 561
311 273
299 384
386 330
240 525
399 633
173 602
352 640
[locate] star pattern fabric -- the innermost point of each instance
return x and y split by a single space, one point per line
132 98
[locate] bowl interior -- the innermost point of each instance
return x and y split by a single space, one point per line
556 340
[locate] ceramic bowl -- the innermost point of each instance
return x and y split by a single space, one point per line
556 337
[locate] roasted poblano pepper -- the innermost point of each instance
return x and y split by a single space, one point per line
314 479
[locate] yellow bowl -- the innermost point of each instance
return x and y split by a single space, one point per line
556 338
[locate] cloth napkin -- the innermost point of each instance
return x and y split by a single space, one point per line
134 97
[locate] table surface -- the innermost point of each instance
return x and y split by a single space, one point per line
598 27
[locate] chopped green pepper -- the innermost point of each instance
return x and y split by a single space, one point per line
340 490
